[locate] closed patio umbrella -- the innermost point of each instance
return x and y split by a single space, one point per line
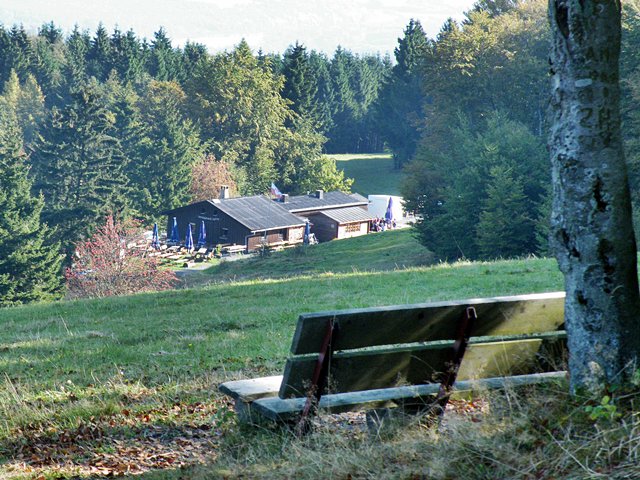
307 231
188 242
175 236
202 235
388 216
155 242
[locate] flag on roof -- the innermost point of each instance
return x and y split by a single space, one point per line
274 191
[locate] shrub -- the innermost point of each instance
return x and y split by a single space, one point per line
111 262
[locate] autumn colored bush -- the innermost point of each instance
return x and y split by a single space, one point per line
111 262
208 175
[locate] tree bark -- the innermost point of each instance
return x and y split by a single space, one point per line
591 228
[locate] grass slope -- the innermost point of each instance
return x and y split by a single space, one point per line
373 174
128 384
390 250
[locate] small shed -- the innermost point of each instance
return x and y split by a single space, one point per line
249 221
340 223
332 214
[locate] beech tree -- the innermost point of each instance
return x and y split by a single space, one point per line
207 177
591 227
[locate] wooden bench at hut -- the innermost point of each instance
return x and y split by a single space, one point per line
234 249
408 355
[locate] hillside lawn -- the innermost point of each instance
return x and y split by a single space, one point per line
382 251
373 174
128 385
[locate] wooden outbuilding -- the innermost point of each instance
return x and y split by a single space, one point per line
333 215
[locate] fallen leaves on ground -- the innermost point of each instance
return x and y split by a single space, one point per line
128 442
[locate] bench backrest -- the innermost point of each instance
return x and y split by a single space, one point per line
411 344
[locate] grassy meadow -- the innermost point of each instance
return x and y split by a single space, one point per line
373 174
128 385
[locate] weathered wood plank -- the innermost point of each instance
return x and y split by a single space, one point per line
431 321
414 364
280 409
252 389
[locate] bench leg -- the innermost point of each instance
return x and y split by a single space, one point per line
320 378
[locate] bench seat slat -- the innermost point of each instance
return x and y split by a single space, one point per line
252 389
386 368
279 409
368 327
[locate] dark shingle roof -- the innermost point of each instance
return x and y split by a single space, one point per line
258 213
307 203
347 215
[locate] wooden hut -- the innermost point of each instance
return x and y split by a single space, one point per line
248 221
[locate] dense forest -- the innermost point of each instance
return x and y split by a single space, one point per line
93 123
107 122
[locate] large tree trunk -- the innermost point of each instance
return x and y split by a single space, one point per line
592 234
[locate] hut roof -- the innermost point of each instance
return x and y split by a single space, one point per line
257 213
308 203
347 215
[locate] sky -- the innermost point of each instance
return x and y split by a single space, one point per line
362 26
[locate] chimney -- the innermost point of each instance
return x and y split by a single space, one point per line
320 194
224 192
284 198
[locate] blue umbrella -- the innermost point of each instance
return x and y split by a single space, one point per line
175 237
155 242
202 236
188 241
388 216
307 232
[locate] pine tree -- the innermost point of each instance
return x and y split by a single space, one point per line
163 62
161 176
78 44
324 98
401 100
100 55
21 51
128 58
506 227
344 105
30 266
78 165
300 87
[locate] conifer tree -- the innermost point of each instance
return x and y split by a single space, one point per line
128 60
78 44
78 165
324 97
506 227
161 176
162 58
30 266
300 87
100 55
402 98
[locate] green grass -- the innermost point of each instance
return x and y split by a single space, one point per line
110 386
373 174
390 250
119 368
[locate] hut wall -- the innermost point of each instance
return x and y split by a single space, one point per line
324 228
220 228
295 235
356 229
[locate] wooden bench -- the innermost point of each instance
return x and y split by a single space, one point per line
233 249
408 355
